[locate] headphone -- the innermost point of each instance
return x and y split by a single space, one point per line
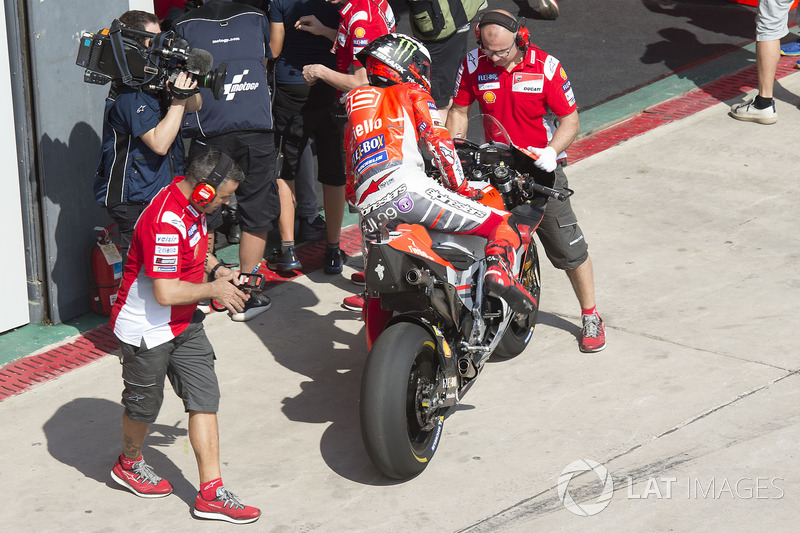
521 34
205 191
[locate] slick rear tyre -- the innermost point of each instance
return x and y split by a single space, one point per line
519 332
400 434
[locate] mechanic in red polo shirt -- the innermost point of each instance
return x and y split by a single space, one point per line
160 331
528 91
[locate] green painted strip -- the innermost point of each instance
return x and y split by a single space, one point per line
662 90
26 340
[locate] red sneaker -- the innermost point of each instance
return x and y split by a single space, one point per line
358 278
354 302
593 338
141 480
500 283
225 507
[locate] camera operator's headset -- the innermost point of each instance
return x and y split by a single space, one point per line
205 191
521 34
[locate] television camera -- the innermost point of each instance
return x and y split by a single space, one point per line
117 54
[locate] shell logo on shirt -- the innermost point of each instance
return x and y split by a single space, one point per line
360 32
489 97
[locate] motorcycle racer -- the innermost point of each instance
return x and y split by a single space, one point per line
386 180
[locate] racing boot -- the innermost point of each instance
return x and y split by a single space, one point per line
501 282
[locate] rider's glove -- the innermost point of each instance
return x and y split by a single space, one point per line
545 158
469 192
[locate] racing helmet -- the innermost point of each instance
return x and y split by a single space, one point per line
396 58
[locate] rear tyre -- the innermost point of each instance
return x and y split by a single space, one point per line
520 329
399 428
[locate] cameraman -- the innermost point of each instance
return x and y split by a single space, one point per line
141 150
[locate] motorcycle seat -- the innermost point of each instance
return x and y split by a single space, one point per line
459 256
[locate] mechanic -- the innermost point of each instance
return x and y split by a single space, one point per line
528 91
160 331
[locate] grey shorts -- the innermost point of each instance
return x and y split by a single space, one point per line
772 19
188 362
562 238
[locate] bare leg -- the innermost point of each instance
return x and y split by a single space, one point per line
286 219
133 434
444 110
582 279
251 250
768 54
333 200
204 437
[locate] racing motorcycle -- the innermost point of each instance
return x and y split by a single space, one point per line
431 324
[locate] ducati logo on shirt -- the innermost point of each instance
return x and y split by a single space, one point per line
238 85
527 82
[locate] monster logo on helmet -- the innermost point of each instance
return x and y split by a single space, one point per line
406 49
396 58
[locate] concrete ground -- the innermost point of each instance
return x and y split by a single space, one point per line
691 411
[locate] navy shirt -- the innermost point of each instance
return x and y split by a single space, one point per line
235 34
129 171
301 48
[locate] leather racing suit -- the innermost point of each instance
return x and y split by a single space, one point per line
387 182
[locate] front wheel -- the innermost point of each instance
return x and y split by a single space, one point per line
520 329
399 425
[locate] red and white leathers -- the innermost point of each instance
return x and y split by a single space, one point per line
526 100
170 240
387 182
360 22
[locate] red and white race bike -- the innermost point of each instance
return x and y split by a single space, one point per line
431 324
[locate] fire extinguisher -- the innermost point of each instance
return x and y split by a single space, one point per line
106 260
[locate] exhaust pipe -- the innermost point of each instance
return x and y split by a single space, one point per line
466 368
416 276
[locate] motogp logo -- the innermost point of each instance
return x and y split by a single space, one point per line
237 85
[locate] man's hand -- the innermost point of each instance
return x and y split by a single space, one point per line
545 158
183 87
311 24
469 192
226 293
311 73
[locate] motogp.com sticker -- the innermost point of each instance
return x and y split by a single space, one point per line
578 467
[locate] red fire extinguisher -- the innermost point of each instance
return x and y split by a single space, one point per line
106 261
